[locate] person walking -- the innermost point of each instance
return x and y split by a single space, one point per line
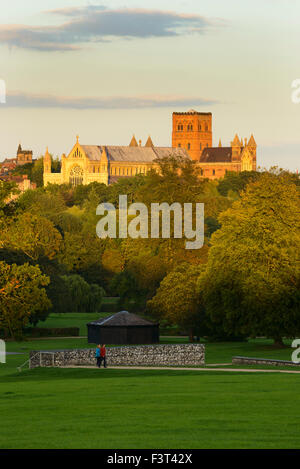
98 356
103 355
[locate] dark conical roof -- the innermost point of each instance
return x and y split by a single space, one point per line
123 318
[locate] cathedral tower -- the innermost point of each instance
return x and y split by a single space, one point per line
192 131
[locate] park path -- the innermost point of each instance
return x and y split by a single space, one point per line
234 370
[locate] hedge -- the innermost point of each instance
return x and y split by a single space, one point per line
53 331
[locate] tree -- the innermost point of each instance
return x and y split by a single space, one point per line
79 251
41 203
22 296
80 296
7 188
33 235
177 300
37 172
236 182
252 281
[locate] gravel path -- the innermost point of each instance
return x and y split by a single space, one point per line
235 370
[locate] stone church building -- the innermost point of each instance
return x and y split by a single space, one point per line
191 138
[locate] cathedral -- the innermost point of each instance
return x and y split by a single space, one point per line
191 138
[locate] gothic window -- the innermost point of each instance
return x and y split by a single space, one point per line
188 146
214 172
206 128
179 145
77 153
246 164
199 127
76 176
200 146
190 127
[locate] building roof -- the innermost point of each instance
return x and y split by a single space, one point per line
192 111
216 155
123 318
131 154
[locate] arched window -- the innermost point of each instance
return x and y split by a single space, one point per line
206 128
76 176
214 172
200 146
179 145
188 146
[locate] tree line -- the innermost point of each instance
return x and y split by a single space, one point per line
243 282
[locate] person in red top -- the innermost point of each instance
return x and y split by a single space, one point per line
102 355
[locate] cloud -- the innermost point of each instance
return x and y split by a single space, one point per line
97 24
25 100
77 11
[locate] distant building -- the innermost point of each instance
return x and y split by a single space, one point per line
23 156
192 131
106 164
22 182
9 164
191 138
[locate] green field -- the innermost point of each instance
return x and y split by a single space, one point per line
71 320
86 408
54 408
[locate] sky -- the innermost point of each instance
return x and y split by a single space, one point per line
105 70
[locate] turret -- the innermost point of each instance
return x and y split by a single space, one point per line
47 162
252 144
149 143
133 142
236 146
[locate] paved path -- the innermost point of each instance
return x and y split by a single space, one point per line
236 370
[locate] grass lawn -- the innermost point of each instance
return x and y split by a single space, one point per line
67 408
71 320
86 408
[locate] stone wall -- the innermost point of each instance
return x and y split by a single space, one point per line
136 355
261 361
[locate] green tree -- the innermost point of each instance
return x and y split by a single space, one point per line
80 296
22 296
236 182
40 203
178 301
33 235
252 281
7 188
37 172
